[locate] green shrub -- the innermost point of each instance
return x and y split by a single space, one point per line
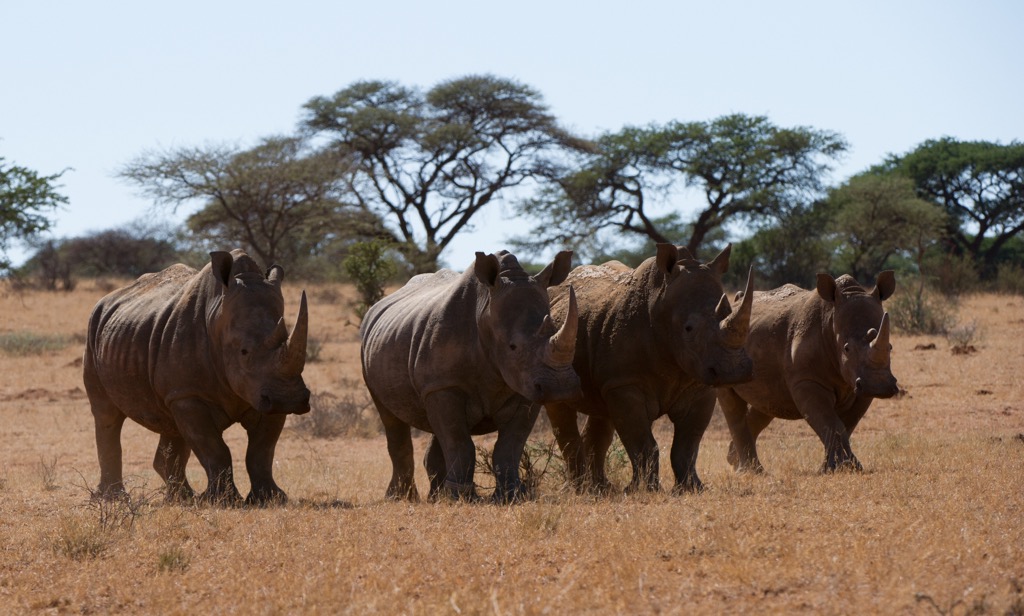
369 267
25 343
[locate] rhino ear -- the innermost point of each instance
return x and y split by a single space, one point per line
275 274
827 287
720 264
220 264
667 257
684 253
556 272
885 285
486 268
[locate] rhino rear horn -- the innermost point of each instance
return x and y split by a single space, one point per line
295 351
736 326
880 345
562 345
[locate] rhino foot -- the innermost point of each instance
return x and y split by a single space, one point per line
266 498
510 496
690 486
850 465
458 492
115 492
220 499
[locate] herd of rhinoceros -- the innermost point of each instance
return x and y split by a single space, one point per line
187 354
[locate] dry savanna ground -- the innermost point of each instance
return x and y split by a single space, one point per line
935 524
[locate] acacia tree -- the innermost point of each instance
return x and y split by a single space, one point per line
282 199
427 163
745 169
25 199
876 216
979 183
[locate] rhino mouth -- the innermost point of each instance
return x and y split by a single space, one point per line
883 390
563 386
741 371
298 405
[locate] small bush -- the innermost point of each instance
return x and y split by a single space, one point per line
26 343
314 346
953 276
1010 279
369 267
80 539
173 559
962 337
48 471
331 416
922 311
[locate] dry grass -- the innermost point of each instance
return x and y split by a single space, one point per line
934 525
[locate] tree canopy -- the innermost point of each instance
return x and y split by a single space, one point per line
979 183
283 200
877 216
26 199
427 163
745 168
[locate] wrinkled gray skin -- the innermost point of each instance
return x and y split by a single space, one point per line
462 354
821 356
651 342
186 354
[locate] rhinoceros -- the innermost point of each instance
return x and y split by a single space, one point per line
462 354
821 356
186 354
652 341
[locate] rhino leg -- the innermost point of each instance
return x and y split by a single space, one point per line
109 421
433 461
259 460
172 456
818 406
446 413
743 449
399 436
597 438
567 435
194 419
690 418
627 407
852 416
508 451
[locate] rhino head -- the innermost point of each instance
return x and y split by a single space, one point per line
262 361
533 355
695 316
861 329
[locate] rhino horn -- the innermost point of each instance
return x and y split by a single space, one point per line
562 345
294 359
880 345
736 326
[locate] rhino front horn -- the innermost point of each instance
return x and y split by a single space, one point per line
880 345
736 326
295 350
562 345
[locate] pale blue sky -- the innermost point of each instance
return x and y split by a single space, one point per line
91 85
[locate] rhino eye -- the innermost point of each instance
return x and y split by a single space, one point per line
512 347
688 329
245 351
846 347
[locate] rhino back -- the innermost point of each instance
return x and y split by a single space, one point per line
141 338
613 339
786 343
422 338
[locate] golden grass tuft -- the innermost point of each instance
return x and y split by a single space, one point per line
933 525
